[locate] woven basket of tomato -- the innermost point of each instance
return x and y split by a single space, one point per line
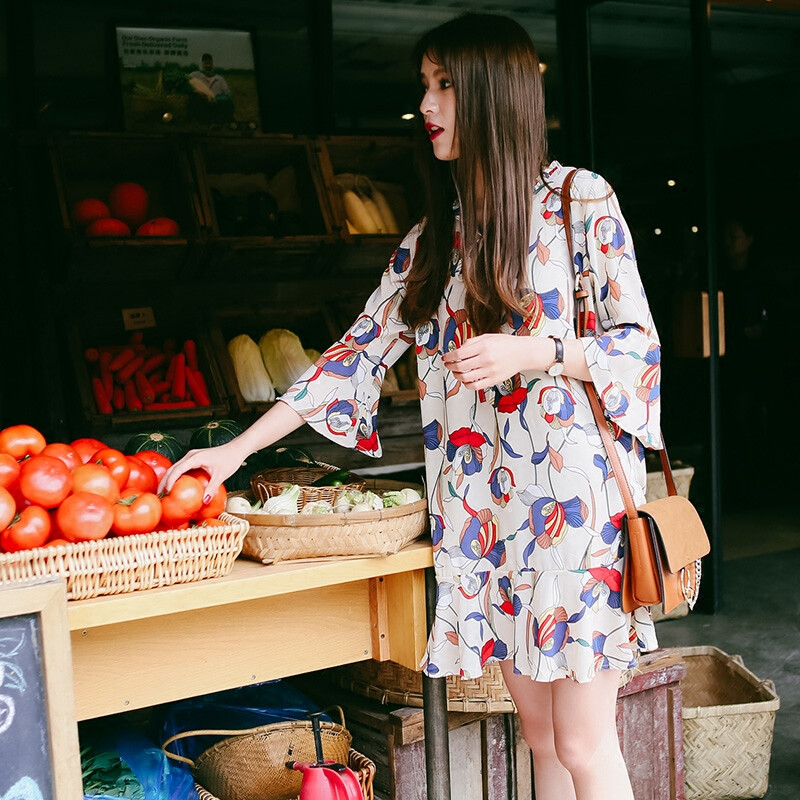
92 515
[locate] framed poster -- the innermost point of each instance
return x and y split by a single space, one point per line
195 79
38 729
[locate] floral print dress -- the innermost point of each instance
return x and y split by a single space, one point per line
525 513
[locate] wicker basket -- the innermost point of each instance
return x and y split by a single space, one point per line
271 482
363 767
129 563
728 719
251 764
284 537
392 683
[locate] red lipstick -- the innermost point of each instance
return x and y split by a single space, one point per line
433 130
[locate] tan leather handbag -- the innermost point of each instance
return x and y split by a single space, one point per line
664 539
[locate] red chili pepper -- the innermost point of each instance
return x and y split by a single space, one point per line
122 358
190 348
169 406
143 387
118 398
100 397
179 376
132 401
127 372
196 388
153 363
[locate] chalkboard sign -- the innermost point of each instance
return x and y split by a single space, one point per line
39 757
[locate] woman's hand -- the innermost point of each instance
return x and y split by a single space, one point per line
219 462
492 358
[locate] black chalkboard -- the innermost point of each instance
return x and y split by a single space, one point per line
39 758
25 750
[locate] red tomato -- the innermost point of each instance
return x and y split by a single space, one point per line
21 441
65 452
44 480
136 512
9 470
160 463
30 528
88 210
8 508
210 523
55 542
86 448
214 507
116 461
108 226
55 530
95 479
160 226
142 476
84 516
129 202
184 500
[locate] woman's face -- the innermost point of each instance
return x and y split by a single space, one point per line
438 108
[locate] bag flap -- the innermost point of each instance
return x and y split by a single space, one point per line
680 530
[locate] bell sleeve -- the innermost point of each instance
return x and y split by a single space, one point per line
338 396
624 354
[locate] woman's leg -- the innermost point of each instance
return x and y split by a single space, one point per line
533 700
584 723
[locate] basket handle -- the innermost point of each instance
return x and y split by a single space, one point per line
186 734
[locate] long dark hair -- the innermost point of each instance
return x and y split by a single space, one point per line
502 135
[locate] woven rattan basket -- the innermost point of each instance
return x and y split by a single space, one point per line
128 563
392 683
271 482
363 767
283 537
728 719
251 764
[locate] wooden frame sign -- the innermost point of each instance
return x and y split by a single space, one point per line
39 753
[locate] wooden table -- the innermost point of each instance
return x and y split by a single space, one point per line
256 624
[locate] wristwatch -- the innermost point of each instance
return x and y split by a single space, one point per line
557 367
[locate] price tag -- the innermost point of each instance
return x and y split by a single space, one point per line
135 318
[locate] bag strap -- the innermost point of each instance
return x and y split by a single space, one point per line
603 425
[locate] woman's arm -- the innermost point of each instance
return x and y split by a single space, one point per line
494 357
222 461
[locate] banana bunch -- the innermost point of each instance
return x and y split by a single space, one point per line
365 207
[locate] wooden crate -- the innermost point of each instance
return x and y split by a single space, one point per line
487 752
237 178
105 328
388 162
88 165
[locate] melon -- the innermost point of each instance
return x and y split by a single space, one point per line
164 443
216 432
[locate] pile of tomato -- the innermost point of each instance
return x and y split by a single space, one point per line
59 493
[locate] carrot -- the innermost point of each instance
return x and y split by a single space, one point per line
132 401
137 337
143 387
200 377
170 369
156 377
190 348
91 354
179 376
153 363
122 358
118 398
100 397
169 406
196 388
127 372
161 387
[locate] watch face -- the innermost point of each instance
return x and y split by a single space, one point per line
556 369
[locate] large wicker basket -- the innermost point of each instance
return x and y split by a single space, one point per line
282 537
392 683
728 719
363 767
129 563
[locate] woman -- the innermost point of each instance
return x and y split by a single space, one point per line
525 517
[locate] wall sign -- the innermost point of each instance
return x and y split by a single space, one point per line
39 756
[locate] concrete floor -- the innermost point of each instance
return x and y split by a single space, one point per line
760 620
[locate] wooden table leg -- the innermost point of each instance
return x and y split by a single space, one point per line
434 699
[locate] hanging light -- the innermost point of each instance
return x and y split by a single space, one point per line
407 116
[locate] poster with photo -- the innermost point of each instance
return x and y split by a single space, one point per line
188 79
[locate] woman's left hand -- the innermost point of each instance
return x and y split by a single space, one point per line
491 358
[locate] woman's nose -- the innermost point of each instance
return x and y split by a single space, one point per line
428 103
